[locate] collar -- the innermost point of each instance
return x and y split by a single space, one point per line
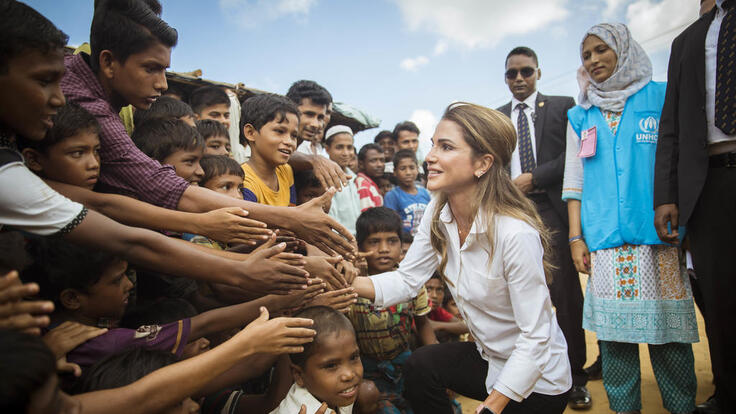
299 395
530 101
79 64
719 4
479 225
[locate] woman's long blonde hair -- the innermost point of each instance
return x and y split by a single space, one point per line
488 131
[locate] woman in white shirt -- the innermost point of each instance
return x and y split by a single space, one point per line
487 240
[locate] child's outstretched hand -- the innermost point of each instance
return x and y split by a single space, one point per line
348 270
325 267
276 336
64 338
322 409
261 273
317 228
17 313
340 300
229 225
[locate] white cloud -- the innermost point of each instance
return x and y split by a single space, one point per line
480 23
252 13
440 47
612 7
654 24
412 64
426 122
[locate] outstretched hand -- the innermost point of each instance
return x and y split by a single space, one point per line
230 225
19 314
321 230
263 272
329 173
276 336
64 338
322 409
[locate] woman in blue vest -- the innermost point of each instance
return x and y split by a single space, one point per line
638 291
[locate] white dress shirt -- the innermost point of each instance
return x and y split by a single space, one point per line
503 298
711 57
530 102
299 395
307 147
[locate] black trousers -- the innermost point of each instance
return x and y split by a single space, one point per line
565 290
458 366
712 234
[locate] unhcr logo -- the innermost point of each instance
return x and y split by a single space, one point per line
649 127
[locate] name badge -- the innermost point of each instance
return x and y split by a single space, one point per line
588 142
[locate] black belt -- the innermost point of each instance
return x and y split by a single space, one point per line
727 160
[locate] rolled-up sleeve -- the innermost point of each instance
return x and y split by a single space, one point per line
532 309
417 267
572 184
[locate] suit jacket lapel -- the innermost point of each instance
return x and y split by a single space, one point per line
506 109
699 34
540 111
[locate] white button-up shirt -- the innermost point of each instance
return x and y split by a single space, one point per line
715 135
502 296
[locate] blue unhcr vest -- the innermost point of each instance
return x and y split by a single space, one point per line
617 203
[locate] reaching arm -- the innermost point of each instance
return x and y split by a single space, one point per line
425 331
168 386
455 326
227 225
327 171
158 252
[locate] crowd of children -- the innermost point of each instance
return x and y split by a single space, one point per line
142 262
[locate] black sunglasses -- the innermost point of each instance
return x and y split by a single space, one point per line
525 72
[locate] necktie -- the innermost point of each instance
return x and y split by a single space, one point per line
725 111
526 154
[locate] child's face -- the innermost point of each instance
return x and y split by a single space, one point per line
406 172
141 79
186 164
384 186
451 307
276 140
107 298
404 248
386 248
30 93
373 164
333 372
389 147
408 140
217 112
74 160
307 193
217 145
341 149
228 184
311 120
435 291
353 164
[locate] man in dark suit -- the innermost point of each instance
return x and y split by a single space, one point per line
695 175
537 167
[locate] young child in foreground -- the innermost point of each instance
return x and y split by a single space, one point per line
215 135
407 198
269 124
384 334
329 369
172 142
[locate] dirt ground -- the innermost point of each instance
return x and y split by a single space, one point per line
651 400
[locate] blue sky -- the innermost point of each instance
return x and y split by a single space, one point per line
395 59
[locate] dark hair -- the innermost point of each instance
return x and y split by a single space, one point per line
264 108
405 126
367 147
27 365
384 134
209 128
160 312
304 89
68 121
121 369
376 220
326 321
217 165
59 264
406 237
207 96
404 153
159 138
304 179
14 256
165 107
522 50
127 27
23 28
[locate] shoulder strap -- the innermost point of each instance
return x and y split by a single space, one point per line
8 156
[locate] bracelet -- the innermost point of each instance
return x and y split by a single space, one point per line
575 238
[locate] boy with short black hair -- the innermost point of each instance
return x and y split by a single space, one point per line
269 125
308 187
211 102
346 203
384 184
172 142
215 135
406 135
386 140
371 165
164 107
222 174
384 334
407 198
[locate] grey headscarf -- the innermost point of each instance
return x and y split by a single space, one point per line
632 72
